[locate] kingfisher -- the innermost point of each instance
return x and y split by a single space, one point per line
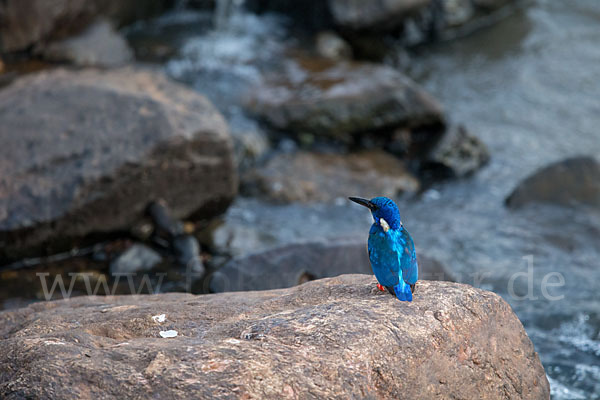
391 249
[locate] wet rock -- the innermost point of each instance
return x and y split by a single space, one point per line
337 100
24 24
409 21
99 45
373 15
137 258
330 45
449 19
491 4
571 182
314 15
250 146
308 177
172 232
294 264
85 153
456 155
251 142
331 338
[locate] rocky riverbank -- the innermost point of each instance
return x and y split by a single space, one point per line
332 338
487 143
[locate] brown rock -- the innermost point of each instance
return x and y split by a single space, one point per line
85 152
308 177
333 338
35 22
339 99
571 182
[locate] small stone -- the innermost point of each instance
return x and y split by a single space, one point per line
458 154
137 258
332 46
168 334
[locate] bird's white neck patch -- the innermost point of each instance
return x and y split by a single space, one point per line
384 225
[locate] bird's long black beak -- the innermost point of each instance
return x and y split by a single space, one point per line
364 202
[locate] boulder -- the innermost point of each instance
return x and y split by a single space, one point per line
449 19
332 338
458 154
373 15
99 45
85 152
571 182
24 24
308 177
336 100
410 21
293 264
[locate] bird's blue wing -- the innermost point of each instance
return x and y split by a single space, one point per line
408 258
384 258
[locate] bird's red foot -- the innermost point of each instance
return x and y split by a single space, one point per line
380 287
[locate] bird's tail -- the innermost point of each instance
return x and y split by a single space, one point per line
403 291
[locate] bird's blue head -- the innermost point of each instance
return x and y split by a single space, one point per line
381 207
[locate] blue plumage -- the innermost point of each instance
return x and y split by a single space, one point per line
391 249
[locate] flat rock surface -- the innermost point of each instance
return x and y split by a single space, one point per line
85 152
332 338
307 177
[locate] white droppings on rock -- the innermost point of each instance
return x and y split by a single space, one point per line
159 318
168 334
53 341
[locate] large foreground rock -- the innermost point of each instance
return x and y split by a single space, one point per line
571 182
333 338
339 99
293 264
85 152
24 24
308 177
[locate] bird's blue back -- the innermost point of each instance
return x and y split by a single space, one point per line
392 255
